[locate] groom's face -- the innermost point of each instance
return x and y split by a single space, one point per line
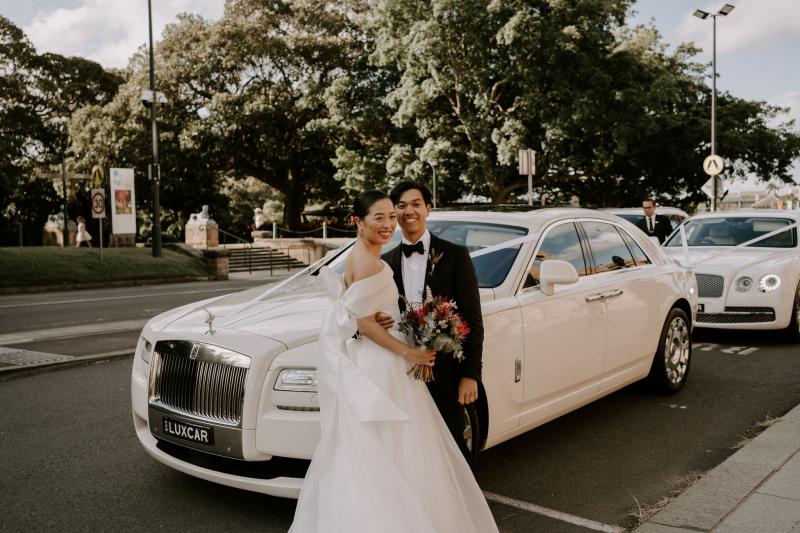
412 212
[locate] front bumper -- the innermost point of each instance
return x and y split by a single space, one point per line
285 477
744 311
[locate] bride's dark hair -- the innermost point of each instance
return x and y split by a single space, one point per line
365 200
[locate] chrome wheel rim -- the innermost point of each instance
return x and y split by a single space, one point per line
467 434
677 346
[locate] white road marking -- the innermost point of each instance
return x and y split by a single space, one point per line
552 513
111 298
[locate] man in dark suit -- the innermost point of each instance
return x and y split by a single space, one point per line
424 260
652 224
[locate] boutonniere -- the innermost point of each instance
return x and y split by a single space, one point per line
434 258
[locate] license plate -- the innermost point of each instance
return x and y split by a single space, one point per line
701 308
190 432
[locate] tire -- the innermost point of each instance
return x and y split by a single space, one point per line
471 433
792 332
673 357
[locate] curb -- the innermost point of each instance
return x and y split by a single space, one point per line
722 496
13 372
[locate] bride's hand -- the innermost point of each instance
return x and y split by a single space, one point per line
415 356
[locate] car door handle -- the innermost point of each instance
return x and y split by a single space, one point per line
595 298
612 294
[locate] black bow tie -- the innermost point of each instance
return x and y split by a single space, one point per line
409 249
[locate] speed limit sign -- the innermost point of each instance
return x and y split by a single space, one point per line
98 203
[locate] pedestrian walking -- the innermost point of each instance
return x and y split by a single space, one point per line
82 238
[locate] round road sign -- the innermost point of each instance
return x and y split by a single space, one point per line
713 165
98 203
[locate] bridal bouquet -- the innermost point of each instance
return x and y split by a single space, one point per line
434 325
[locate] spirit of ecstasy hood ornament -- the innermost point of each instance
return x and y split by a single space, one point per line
210 321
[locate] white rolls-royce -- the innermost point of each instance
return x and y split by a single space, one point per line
576 304
747 264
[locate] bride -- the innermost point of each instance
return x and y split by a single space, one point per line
386 460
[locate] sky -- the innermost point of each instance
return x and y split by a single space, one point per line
758 44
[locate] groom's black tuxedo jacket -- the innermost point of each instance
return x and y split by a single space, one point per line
452 276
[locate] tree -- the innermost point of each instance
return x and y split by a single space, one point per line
38 94
611 114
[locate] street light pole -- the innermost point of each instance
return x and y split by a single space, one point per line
699 13
433 167
154 171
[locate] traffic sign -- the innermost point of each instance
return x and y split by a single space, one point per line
98 176
708 187
713 165
98 203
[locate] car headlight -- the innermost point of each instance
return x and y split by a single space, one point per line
744 284
769 283
297 380
147 350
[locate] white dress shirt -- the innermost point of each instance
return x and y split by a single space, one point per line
414 270
651 223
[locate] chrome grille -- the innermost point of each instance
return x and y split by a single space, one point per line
738 315
199 379
710 285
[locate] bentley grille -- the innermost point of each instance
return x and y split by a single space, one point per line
710 285
199 379
738 315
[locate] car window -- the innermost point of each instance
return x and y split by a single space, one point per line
733 231
608 248
638 254
491 269
561 242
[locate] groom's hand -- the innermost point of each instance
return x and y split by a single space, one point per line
385 321
467 391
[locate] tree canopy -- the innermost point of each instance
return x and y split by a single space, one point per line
317 99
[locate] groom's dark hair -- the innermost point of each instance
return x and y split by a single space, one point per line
407 185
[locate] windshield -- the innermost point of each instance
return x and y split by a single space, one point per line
734 231
491 268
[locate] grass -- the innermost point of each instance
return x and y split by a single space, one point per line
644 511
52 265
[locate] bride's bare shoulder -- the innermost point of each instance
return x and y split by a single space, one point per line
361 264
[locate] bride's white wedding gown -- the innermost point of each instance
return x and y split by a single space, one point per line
386 461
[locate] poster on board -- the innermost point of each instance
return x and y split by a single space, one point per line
123 201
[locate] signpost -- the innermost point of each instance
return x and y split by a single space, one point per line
99 212
713 165
527 165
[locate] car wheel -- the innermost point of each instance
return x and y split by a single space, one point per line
793 331
674 354
471 432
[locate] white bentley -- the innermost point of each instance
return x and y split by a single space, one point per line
747 264
576 304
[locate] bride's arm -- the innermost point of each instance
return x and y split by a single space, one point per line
359 266
371 329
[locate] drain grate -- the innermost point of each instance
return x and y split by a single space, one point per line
20 357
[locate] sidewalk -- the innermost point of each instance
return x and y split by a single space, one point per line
757 489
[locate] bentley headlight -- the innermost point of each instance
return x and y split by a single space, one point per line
297 380
769 283
744 284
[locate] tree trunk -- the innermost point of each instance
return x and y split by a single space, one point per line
294 202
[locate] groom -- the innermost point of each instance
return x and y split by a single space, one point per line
426 260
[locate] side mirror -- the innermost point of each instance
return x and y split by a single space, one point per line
655 241
554 271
